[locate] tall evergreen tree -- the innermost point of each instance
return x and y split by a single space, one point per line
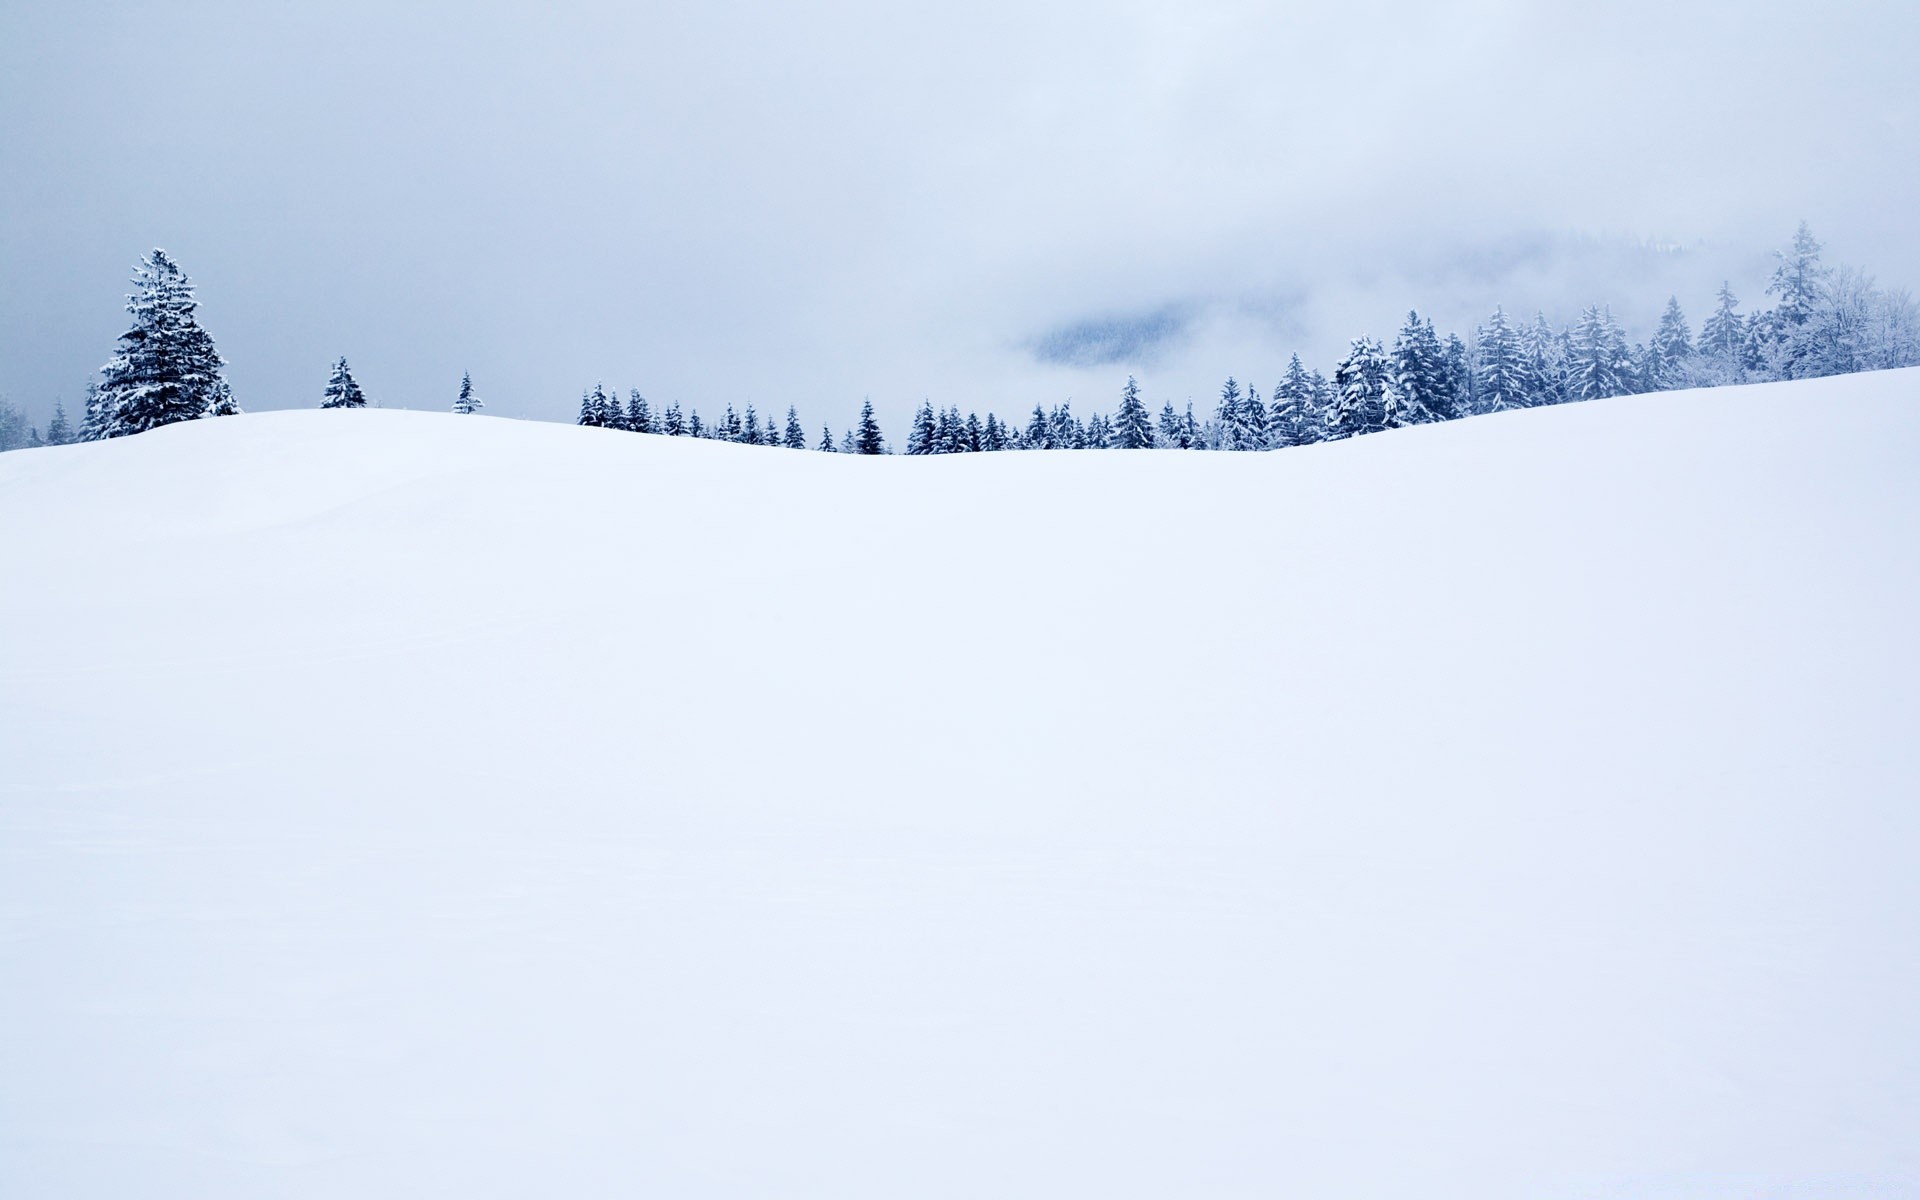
796 437
1723 337
640 416
826 441
166 369
1039 432
1360 384
869 440
342 391
1414 392
1292 420
59 431
467 403
673 424
1546 357
1505 374
1132 427
1235 432
1670 352
920 435
1598 364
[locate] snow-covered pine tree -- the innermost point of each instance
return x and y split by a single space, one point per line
849 444
920 435
93 418
1598 363
1504 370
1360 383
640 416
974 434
1670 351
1253 421
673 424
795 437
950 433
466 403
342 391
1230 419
1413 382
826 441
1546 357
1132 427
730 429
1170 427
1064 431
1801 282
869 440
1457 377
59 430
166 369
750 429
1099 432
15 433
1038 436
1722 338
589 411
1290 419
696 428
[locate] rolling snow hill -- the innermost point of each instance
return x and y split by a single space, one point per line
401 805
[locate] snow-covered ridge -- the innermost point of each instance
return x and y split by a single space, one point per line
400 804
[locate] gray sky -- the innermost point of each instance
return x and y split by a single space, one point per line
991 204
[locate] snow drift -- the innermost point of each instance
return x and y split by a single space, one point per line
396 804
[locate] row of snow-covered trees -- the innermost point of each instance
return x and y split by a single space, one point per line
1826 322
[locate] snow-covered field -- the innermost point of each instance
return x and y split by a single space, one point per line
402 805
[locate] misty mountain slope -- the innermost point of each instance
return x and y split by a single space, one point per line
397 804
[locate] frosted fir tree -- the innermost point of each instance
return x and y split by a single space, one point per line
1546 357
1064 431
974 434
1414 389
1670 350
1038 435
1598 363
1230 427
166 369
1360 384
750 432
342 391
673 424
920 435
826 445
950 434
59 430
1504 373
869 440
1099 432
640 416
994 438
1722 339
466 404
1456 378
795 437
1291 419
1253 420
1132 427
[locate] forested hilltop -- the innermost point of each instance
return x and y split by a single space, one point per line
1825 320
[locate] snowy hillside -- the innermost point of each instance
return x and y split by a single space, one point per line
1524 808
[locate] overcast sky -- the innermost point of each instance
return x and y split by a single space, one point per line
988 204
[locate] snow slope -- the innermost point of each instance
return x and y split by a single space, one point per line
402 805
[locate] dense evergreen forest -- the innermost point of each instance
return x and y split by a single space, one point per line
1824 321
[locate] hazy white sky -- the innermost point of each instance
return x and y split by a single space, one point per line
991 204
